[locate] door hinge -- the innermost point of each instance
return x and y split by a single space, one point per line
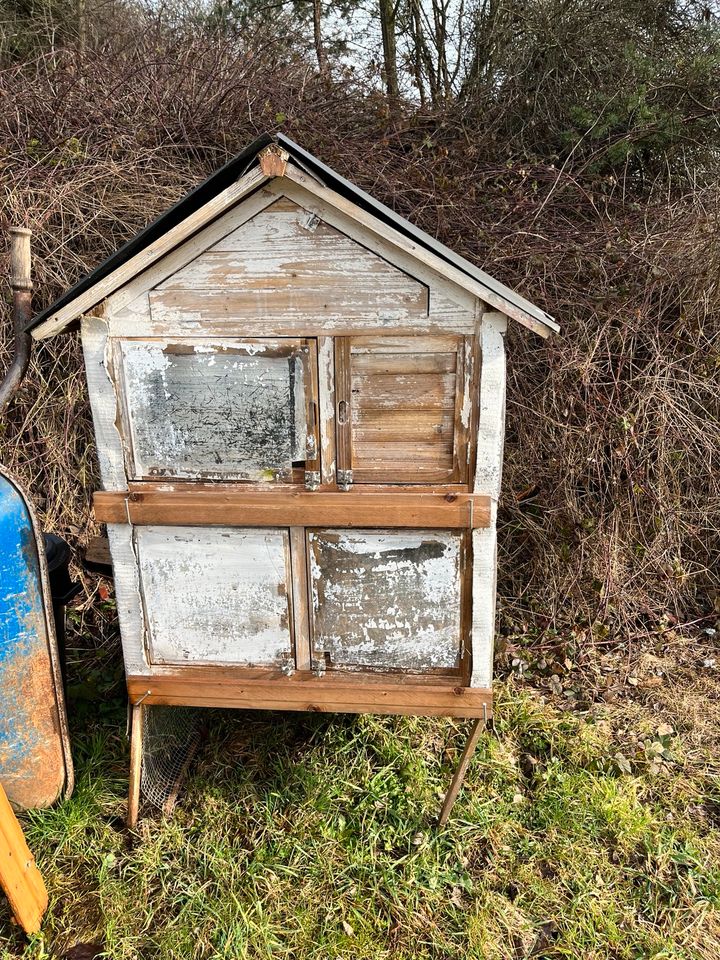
344 479
312 479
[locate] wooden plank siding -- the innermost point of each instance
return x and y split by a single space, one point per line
375 287
286 262
404 401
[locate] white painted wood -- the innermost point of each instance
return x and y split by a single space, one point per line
128 597
326 403
215 409
227 198
285 262
103 403
488 479
418 252
127 308
386 599
451 307
324 281
215 319
215 596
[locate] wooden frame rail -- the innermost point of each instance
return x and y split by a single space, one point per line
272 690
225 508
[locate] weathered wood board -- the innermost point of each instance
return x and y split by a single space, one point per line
336 691
488 477
386 599
213 505
216 595
401 408
286 261
203 409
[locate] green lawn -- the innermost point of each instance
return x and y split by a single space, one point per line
579 834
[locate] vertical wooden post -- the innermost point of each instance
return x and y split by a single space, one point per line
136 737
488 477
301 613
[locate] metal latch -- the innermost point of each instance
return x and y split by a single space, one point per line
318 667
312 479
344 479
287 664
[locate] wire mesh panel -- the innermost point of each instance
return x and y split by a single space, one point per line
170 741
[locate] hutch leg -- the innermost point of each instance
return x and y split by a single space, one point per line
136 731
459 775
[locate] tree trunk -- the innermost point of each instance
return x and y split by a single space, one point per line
387 26
317 36
82 26
416 33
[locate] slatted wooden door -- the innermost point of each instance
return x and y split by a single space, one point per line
403 408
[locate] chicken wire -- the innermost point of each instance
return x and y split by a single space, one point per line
170 740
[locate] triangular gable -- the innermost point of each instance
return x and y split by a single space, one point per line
240 178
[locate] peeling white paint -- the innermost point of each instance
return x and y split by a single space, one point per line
488 475
215 595
387 599
221 410
103 403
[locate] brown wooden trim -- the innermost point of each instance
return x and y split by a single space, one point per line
466 607
273 160
312 408
184 486
295 508
223 687
301 615
343 400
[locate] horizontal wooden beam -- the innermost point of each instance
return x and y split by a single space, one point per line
203 508
216 687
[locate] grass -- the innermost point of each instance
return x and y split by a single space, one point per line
308 837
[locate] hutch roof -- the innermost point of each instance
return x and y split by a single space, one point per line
215 195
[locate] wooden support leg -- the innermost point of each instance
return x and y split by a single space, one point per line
136 732
459 775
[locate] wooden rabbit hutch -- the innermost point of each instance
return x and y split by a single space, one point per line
298 400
